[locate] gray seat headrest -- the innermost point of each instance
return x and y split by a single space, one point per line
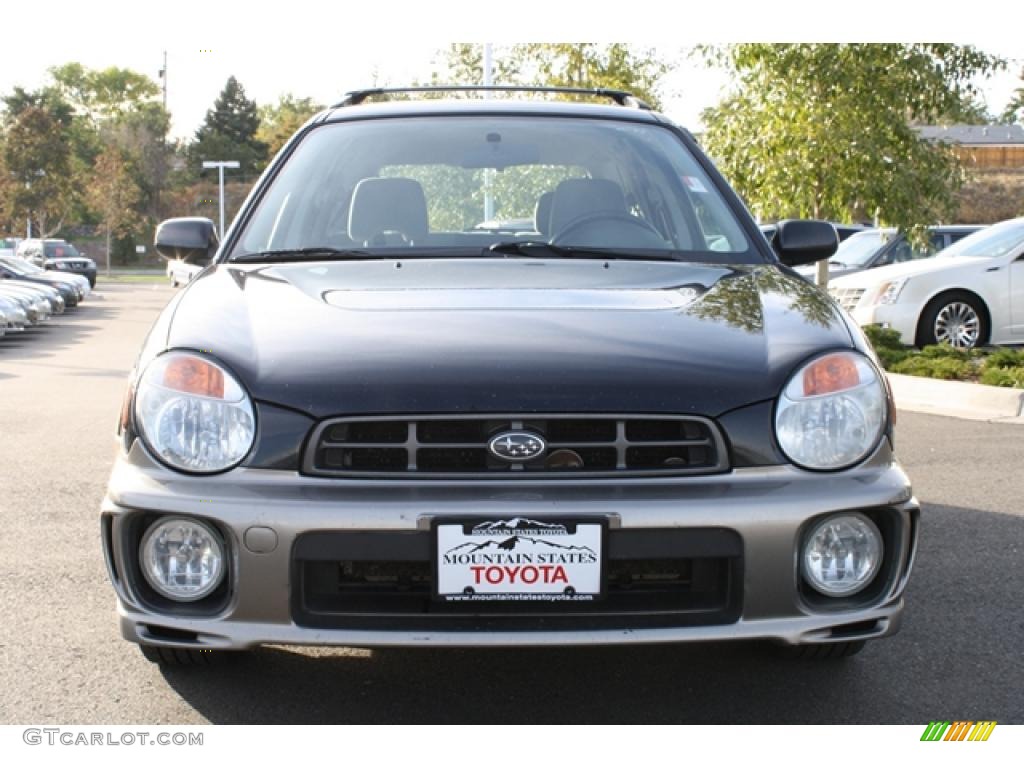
388 205
576 198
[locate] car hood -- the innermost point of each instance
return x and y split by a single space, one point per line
29 286
880 275
506 335
58 277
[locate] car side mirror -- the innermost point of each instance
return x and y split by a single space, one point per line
191 239
804 241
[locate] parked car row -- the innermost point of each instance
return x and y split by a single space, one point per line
59 256
969 294
30 295
872 248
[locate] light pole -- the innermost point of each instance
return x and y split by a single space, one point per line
220 165
488 174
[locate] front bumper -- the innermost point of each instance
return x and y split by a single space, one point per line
767 508
901 318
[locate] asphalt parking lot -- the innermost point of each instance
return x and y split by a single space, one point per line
959 655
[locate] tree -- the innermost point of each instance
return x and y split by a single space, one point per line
229 131
568 65
96 108
39 184
278 122
592 65
463 64
826 131
113 194
102 94
1014 112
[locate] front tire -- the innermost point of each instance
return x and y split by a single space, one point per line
167 656
820 651
957 318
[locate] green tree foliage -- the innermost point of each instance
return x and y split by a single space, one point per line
825 131
463 64
1014 112
229 131
114 195
101 95
39 183
47 98
569 65
593 65
96 109
278 122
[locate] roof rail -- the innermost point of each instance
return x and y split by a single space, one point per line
622 98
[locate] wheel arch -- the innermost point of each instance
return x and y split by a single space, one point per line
939 294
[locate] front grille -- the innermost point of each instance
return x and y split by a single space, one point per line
848 298
445 446
383 580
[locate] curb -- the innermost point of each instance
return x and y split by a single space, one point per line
960 399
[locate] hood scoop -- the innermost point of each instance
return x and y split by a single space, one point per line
510 299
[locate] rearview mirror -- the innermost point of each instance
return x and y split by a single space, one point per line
189 239
804 241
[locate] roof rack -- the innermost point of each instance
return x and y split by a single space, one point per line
622 98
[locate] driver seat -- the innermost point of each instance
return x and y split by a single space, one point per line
576 199
388 211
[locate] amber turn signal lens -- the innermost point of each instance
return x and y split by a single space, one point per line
832 373
126 410
194 376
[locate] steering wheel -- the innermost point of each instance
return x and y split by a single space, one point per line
651 238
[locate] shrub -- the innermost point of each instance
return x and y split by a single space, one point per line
887 344
1003 377
883 338
936 367
947 351
1005 358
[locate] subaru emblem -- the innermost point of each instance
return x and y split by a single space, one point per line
517 446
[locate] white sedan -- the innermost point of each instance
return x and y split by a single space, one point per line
180 272
970 294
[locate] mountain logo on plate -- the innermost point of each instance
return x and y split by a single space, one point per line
517 446
519 559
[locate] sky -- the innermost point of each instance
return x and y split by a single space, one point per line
322 51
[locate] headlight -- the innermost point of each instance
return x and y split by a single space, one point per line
193 414
889 293
182 558
842 554
832 412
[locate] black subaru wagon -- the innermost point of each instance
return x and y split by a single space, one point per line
492 372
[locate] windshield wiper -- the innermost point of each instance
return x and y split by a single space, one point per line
315 253
538 250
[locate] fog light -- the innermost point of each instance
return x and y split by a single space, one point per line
842 554
182 559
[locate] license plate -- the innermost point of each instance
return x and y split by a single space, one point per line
519 559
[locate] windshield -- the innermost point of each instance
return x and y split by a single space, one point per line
455 186
61 251
997 240
857 250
